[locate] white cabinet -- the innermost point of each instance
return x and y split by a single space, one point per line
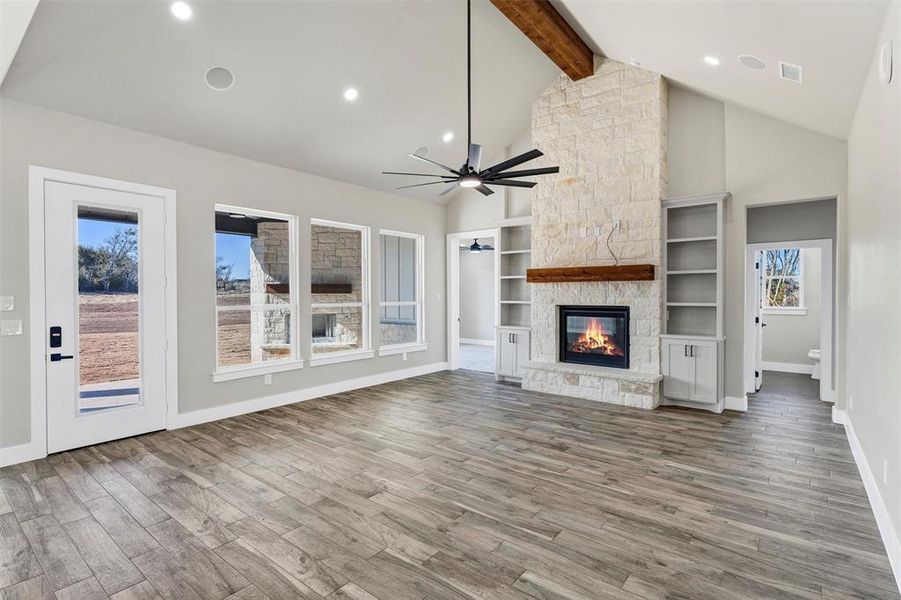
512 352
691 370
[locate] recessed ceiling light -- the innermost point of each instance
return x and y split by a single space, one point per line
350 94
712 61
181 10
447 137
752 62
219 78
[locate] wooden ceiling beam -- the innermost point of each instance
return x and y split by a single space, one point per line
548 30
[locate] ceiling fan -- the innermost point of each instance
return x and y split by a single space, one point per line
471 175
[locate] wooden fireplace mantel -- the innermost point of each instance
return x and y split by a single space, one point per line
595 273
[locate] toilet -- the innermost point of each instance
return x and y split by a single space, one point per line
814 355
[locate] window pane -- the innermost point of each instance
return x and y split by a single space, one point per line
337 329
783 292
398 268
337 264
253 260
783 262
398 331
108 309
248 337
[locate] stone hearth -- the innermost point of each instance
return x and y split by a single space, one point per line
608 134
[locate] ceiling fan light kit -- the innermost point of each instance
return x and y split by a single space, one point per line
470 175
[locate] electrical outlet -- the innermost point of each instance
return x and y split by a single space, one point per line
583 231
884 470
404 355
616 224
267 379
597 231
7 303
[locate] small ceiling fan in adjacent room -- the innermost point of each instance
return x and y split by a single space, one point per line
471 175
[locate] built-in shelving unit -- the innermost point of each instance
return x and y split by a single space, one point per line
692 347
514 245
693 264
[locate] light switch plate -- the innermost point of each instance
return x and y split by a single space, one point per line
11 327
7 303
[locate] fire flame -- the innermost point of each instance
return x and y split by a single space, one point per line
596 340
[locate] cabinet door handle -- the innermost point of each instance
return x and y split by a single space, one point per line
685 349
692 351
514 338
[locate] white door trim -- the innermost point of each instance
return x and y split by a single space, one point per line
37 176
453 289
827 300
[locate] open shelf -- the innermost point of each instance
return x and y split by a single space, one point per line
685 240
693 284
525 251
513 276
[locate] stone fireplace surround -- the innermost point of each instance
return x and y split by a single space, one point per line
608 134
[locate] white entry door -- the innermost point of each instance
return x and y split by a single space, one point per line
105 313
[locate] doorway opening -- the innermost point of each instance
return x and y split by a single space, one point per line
789 314
472 300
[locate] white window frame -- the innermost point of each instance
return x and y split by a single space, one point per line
801 309
365 351
420 344
272 366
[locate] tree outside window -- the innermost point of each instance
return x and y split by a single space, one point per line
782 279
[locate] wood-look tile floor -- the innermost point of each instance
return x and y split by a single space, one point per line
453 486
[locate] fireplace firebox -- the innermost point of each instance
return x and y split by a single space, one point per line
595 335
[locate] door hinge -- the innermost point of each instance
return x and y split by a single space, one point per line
756 320
757 265
756 373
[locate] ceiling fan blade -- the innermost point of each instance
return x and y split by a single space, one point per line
417 174
486 191
475 157
512 183
437 164
450 188
403 187
527 172
516 160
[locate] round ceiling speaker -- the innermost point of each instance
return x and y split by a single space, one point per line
219 78
885 62
752 62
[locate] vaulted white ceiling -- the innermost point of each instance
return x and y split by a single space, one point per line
833 40
132 64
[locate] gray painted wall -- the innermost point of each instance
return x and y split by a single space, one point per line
35 136
477 294
793 221
788 337
696 143
874 286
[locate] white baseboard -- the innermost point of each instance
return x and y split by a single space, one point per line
839 417
13 455
886 529
476 342
734 403
787 367
240 408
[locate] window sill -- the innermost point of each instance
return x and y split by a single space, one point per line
256 370
784 311
340 357
402 348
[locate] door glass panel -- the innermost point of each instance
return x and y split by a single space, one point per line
109 357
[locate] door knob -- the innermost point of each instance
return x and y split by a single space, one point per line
56 357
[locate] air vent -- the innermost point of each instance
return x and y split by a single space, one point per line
791 72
